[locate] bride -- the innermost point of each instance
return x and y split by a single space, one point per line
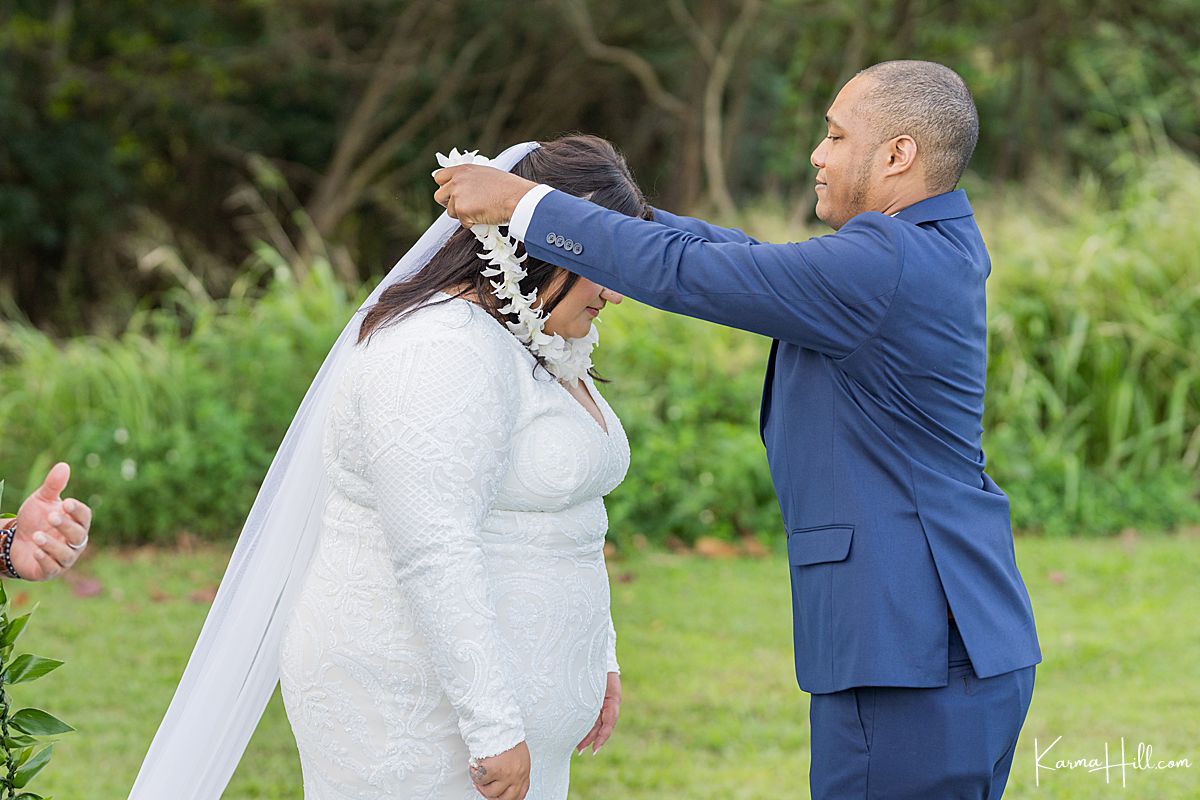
443 630
457 605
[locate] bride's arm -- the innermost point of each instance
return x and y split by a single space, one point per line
611 664
438 416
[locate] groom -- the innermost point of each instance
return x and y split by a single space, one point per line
913 628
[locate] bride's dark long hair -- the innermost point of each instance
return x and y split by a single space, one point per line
585 166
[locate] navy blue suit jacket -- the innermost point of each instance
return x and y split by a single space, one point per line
871 416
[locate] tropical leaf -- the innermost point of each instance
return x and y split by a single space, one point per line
16 740
32 767
36 722
15 628
27 667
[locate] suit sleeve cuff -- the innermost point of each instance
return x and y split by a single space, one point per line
523 214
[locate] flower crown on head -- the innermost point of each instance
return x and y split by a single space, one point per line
566 359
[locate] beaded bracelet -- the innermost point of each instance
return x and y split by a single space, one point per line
6 541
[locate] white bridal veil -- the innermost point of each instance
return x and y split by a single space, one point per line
235 665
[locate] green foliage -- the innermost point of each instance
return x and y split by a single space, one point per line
1094 363
24 732
171 428
687 394
1093 413
119 119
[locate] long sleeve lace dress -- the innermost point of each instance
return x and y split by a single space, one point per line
458 601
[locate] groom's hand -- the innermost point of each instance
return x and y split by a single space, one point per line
478 195
503 777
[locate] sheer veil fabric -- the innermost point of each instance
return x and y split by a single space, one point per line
234 667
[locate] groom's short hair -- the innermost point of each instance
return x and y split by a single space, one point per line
931 103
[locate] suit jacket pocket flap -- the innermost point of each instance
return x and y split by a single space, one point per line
817 545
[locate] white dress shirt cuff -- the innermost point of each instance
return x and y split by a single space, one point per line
523 214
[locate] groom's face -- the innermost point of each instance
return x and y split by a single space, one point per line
846 158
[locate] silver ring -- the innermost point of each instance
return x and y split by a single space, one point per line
79 546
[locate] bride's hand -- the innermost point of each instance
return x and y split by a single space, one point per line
610 709
503 777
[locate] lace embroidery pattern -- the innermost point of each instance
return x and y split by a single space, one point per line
458 601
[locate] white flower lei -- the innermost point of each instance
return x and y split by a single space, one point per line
567 359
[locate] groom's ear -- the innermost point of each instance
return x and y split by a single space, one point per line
901 154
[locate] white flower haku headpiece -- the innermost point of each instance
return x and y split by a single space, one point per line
567 359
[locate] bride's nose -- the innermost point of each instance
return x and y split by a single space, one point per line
611 296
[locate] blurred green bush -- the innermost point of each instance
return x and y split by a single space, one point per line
1093 407
169 428
1093 421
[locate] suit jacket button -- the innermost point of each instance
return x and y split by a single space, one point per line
568 244
549 238
577 249
558 241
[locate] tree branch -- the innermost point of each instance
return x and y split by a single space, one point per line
693 29
514 81
364 120
385 151
639 67
714 94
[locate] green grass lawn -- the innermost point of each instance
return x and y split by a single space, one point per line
710 710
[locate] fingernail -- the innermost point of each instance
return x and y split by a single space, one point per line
39 537
56 518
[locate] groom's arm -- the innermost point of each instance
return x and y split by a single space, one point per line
523 213
705 230
829 293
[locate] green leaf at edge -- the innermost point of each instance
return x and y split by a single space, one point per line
27 667
15 628
22 755
18 740
32 767
36 722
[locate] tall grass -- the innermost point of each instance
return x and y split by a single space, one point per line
170 427
1094 356
1093 419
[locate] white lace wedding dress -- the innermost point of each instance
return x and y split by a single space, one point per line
458 601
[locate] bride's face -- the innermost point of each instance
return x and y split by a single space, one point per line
573 316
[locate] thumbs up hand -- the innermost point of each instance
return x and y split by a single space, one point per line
47 527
